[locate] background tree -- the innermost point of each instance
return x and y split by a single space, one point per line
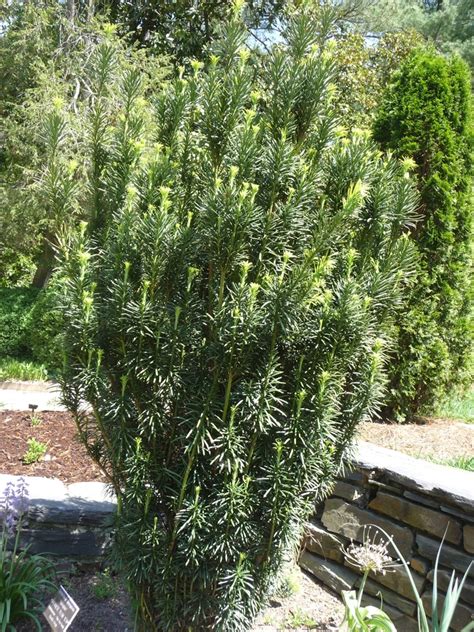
227 315
184 28
426 115
364 68
448 24
43 57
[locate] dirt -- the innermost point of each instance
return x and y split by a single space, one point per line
68 460
433 438
65 457
105 606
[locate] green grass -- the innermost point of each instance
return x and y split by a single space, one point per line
21 370
459 407
460 462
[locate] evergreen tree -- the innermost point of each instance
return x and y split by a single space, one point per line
426 116
227 308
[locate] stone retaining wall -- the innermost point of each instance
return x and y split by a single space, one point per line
72 521
414 501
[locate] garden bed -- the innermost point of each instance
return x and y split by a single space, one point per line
105 606
446 441
65 457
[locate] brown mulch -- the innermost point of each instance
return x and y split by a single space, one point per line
65 458
440 438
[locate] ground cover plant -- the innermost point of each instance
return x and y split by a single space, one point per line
227 310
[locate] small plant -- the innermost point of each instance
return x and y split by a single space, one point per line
22 576
289 586
36 450
104 586
300 619
35 420
372 557
460 406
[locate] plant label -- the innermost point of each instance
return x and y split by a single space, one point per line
61 611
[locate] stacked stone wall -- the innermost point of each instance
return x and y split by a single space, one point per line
67 521
415 502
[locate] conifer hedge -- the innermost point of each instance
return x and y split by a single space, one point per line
426 116
227 307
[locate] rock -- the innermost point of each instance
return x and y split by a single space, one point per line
390 597
348 520
450 557
443 577
468 539
423 500
66 520
357 477
57 541
464 515
82 504
402 622
334 575
417 516
397 580
347 491
420 565
325 544
462 616
453 486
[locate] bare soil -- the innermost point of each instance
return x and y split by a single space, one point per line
105 607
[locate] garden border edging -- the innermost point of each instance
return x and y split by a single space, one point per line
71 520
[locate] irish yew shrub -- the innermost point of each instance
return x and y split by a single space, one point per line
426 116
226 316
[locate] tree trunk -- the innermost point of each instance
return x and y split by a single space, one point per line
45 266
71 10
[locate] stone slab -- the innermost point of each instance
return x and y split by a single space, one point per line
417 516
422 500
453 485
64 519
463 615
397 580
46 398
39 487
402 622
348 520
319 541
348 491
29 386
420 565
376 590
334 575
468 538
443 578
57 541
450 557
465 515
